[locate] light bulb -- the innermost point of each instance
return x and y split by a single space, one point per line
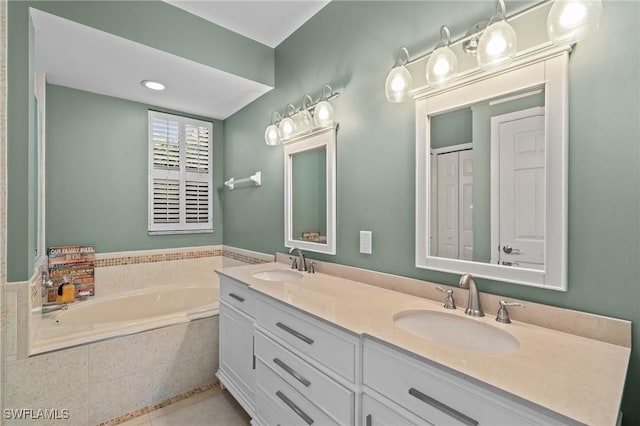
497 45
287 128
570 21
303 121
323 114
442 67
398 84
272 135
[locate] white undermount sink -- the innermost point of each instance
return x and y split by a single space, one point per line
461 333
278 275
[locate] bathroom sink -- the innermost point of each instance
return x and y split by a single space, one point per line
461 333
278 275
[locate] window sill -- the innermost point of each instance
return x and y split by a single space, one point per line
183 232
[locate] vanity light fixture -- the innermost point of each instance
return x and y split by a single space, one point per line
442 66
298 122
570 21
399 81
153 85
495 44
498 43
272 135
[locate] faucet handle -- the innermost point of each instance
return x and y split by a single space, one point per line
449 303
311 267
503 315
294 262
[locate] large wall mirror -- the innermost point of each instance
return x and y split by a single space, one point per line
492 176
310 212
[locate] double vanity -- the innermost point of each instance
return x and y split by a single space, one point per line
303 348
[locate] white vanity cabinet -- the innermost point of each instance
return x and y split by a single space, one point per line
306 369
437 395
237 364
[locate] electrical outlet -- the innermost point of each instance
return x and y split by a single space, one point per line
365 242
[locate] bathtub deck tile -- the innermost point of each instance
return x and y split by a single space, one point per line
115 358
173 344
74 401
48 375
112 398
177 377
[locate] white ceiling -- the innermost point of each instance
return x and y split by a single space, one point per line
268 22
81 57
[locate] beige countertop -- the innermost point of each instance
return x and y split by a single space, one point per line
580 378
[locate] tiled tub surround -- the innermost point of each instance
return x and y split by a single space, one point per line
103 380
578 377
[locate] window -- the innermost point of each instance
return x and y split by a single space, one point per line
180 174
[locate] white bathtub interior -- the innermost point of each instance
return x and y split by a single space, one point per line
131 299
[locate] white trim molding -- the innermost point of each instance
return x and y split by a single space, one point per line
546 69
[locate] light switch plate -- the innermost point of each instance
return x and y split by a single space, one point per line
365 242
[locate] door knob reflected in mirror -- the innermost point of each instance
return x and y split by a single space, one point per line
510 250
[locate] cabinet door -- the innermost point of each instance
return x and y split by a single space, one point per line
237 367
377 414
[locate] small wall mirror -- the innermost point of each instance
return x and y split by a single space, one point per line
309 170
492 176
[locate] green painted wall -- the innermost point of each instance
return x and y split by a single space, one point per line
452 128
20 117
375 152
96 169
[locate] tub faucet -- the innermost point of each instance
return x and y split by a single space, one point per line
300 263
473 305
53 306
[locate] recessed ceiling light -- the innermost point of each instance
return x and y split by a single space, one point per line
153 85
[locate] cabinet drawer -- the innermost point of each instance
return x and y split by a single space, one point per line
267 414
438 396
288 400
310 382
377 414
238 295
325 344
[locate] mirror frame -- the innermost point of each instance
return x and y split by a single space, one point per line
548 70
325 137
40 84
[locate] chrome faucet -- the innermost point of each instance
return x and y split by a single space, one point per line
46 284
53 306
300 263
473 305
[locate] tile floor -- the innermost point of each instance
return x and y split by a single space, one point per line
214 407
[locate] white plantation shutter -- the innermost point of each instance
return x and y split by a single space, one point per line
180 174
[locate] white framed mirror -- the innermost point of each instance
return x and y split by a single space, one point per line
491 175
310 192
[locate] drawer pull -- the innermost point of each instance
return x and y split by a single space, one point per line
297 334
442 407
235 296
292 372
295 408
